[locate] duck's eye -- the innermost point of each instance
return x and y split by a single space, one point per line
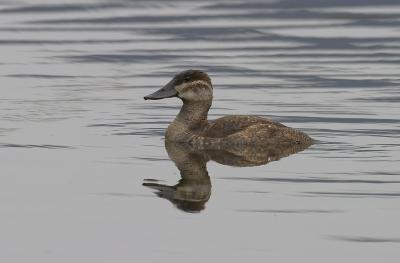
186 79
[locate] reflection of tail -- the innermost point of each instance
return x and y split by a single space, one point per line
256 155
239 155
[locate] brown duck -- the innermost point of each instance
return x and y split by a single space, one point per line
191 125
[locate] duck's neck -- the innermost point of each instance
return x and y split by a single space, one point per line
193 114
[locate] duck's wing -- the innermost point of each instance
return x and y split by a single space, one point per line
267 134
232 124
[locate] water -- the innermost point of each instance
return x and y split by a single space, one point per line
77 140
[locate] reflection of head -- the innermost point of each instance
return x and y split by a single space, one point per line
194 189
189 195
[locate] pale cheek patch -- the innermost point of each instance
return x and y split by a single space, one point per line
189 95
192 91
181 87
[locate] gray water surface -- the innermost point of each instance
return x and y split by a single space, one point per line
77 140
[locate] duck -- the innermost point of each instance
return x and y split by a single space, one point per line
191 126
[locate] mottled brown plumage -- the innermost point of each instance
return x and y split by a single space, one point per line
191 125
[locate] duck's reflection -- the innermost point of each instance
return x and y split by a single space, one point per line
194 188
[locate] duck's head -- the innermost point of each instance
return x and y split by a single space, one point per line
189 85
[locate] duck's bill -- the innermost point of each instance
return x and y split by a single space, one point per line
168 91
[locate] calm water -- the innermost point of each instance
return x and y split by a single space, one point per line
77 140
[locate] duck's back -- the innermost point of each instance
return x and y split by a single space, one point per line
232 124
242 129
